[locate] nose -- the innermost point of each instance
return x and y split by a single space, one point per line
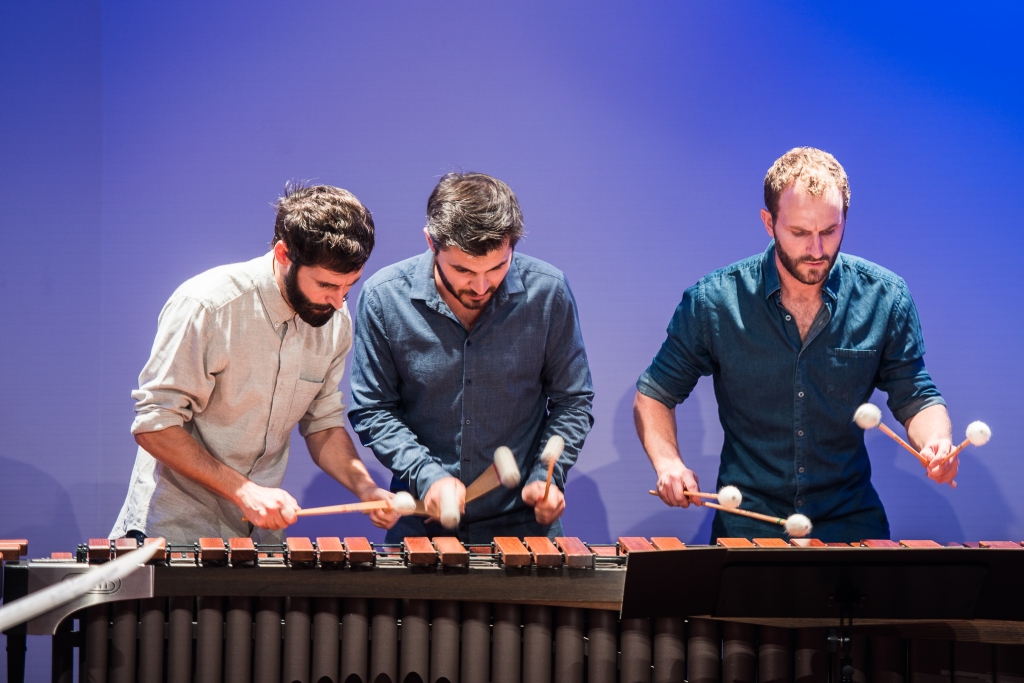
337 298
817 247
479 285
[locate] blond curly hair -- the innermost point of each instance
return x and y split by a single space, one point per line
816 170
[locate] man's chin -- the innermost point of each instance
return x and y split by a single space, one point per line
814 276
474 304
317 319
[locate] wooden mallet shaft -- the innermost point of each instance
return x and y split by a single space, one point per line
748 513
551 471
692 494
895 437
955 452
347 507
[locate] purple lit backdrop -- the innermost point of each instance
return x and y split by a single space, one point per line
142 145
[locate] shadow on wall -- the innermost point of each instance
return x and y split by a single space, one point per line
918 508
625 483
35 506
585 515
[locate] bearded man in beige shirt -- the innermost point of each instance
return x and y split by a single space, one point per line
243 352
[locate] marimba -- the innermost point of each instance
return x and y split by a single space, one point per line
334 609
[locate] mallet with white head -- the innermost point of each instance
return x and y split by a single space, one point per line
796 525
728 497
869 416
402 503
552 452
503 472
978 434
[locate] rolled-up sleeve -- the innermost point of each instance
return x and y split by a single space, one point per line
684 357
568 386
376 401
328 410
902 374
177 381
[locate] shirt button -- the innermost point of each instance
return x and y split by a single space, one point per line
469 343
467 422
800 433
801 470
801 394
465 460
469 381
789 317
799 503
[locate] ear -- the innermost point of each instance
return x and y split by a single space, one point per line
766 218
281 254
430 242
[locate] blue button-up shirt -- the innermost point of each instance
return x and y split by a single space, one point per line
433 399
787 405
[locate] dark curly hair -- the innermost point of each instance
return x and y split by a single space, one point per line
324 226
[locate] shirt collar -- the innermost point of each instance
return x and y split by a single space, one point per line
273 301
425 289
771 274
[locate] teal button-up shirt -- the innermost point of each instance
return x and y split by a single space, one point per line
787 405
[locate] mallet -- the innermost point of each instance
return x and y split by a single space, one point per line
869 416
796 525
552 452
728 496
978 434
403 504
503 472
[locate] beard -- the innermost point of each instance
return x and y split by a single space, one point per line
463 295
812 277
314 315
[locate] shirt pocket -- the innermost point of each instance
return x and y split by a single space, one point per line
305 394
851 373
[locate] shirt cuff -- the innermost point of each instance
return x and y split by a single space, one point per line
322 414
156 420
540 473
428 474
651 389
913 408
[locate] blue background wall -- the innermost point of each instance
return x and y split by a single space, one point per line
140 145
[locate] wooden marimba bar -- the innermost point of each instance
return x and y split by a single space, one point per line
332 609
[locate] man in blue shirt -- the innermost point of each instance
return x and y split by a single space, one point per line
465 348
795 339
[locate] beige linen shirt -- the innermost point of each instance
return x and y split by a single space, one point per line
234 366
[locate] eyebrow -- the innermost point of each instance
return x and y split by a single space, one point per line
323 283
801 229
467 270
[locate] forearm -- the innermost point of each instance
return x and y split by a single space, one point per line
572 423
397 448
656 427
175 448
333 451
928 425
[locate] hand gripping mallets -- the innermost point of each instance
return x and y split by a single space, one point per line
503 472
728 496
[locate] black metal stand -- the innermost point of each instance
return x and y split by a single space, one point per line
15 585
